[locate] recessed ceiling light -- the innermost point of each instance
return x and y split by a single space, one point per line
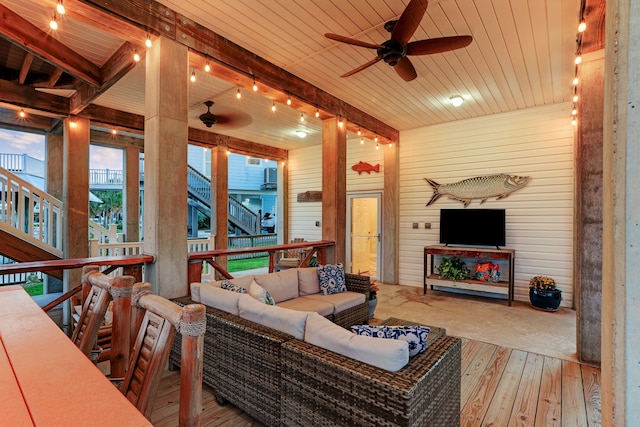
456 100
301 134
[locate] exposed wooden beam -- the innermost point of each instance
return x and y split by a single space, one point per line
108 139
26 96
110 117
119 64
53 78
210 139
24 70
11 119
238 64
22 32
594 16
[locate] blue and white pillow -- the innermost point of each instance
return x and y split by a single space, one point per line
228 285
416 336
331 278
371 330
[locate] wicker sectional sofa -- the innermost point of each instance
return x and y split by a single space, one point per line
281 380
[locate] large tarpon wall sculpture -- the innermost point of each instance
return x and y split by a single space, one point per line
481 187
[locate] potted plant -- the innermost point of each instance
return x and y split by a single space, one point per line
453 268
374 288
544 294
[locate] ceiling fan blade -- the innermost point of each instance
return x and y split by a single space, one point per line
409 21
351 41
405 69
362 67
438 45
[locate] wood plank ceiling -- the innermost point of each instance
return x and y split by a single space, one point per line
521 56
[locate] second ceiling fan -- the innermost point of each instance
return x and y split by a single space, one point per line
395 50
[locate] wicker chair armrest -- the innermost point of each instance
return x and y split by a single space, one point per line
358 283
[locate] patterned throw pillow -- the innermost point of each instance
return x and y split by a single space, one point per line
331 278
261 294
371 331
416 336
226 284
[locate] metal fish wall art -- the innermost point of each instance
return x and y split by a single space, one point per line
481 187
365 167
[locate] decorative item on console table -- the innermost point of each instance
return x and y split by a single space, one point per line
543 293
453 268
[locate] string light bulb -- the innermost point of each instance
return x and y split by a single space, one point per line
114 132
136 57
574 112
207 67
377 146
578 59
288 100
302 117
359 132
574 121
72 123
317 113
575 81
148 43
193 77
582 26
53 24
22 114
391 145
238 94
361 141
575 98
255 86
60 8
375 139
340 121
273 107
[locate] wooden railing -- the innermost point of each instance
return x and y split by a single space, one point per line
196 260
131 266
30 213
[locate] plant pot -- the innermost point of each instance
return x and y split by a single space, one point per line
547 300
372 306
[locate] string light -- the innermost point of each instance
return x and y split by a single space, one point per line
582 26
359 132
361 141
207 67
377 146
136 57
60 8
391 145
574 111
22 114
375 139
302 117
193 77
53 24
340 121
578 59
317 113
273 107
574 121
575 98
255 86
575 81
114 132
72 123
288 100
238 94
148 43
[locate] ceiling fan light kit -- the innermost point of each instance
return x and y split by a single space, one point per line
396 50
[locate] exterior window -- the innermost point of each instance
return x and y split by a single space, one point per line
253 161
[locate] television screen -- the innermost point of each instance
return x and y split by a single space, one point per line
474 227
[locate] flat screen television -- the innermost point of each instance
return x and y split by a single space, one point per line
473 227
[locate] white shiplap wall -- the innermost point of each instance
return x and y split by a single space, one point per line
536 142
305 174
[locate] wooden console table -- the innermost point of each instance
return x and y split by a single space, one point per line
431 278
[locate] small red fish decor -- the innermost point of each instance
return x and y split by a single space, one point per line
365 167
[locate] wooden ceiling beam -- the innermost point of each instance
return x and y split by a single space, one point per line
210 139
10 118
28 97
119 64
239 64
108 139
54 77
25 34
594 16
26 65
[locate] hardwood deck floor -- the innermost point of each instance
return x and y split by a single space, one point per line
500 387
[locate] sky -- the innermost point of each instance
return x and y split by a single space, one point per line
32 144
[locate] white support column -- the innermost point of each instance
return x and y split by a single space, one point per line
165 166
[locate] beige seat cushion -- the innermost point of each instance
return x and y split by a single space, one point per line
384 353
281 319
324 308
340 301
308 283
282 285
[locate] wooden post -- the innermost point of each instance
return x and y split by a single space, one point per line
121 327
191 365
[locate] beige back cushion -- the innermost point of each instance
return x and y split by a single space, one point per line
282 285
391 355
215 297
308 283
290 322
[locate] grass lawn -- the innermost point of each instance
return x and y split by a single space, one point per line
34 289
247 264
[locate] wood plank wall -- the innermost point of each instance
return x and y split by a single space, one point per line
536 142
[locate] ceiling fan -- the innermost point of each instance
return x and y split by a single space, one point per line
395 50
231 120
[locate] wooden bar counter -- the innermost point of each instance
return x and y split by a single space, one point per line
44 378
